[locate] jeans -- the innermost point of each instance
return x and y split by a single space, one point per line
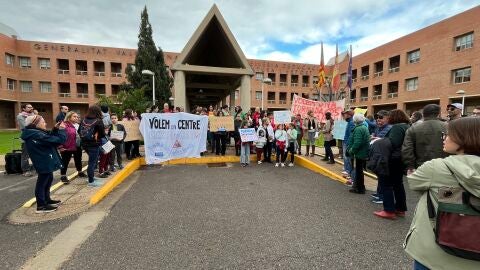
347 163
328 149
267 152
419 266
281 155
245 153
93 153
67 156
311 137
394 197
42 188
24 159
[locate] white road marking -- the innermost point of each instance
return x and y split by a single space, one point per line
18 183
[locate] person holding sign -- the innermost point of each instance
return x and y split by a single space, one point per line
269 134
292 137
281 142
117 135
261 142
245 149
310 127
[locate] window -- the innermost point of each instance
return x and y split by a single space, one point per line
461 75
343 77
258 95
11 84
413 56
26 86
25 62
45 87
259 76
394 64
44 63
464 42
411 84
9 59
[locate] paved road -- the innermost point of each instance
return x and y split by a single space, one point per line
185 217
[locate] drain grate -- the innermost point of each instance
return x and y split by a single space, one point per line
217 165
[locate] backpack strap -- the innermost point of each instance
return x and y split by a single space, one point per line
465 194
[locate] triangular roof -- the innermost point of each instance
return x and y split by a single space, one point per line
199 44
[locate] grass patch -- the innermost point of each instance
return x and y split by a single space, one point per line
7 141
318 142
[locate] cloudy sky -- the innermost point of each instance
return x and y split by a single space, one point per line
282 30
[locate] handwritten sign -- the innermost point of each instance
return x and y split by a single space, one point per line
360 111
248 135
282 117
339 129
133 130
116 135
302 106
217 123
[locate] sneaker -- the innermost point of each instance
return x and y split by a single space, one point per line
354 190
120 166
64 179
276 164
107 173
95 184
82 174
374 195
290 164
27 174
46 209
112 169
54 202
282 164
331 162
385 214
377 201
103 175
345 173
259 162
349 183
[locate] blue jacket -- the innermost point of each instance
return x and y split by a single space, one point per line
42 148
349 129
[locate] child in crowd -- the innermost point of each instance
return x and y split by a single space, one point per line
260 143
104 158
117 142
292 138
281 141
245 149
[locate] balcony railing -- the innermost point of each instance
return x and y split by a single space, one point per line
294 84
64 71
392 95
271 101
82 95
99 73
283 83
395 69
363 98
282 102
116 74
353 100
82 72
64 95
354 80
365 77
378 74
375 97
306 84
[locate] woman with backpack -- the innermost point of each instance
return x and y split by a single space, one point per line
461 169
91 132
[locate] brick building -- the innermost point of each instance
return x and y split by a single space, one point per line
428 66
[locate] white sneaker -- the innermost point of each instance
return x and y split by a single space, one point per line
345 173
283 164
259 162
276 164
290 164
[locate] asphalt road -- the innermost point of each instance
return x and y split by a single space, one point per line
260 217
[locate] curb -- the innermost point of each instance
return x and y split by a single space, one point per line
33 200
318 169
369 174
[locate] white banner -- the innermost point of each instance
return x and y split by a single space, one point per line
282 117
173 135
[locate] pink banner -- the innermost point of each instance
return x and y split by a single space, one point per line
302 106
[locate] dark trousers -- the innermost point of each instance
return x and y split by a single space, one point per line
359 183
67 156
291 150
116 152
267 152
281 155
394 197
132 149
328 149
259 153
42 188
220 143
24 159
299 143
236 138
93 153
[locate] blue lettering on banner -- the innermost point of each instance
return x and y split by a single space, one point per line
159 154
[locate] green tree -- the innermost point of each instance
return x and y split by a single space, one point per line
150 58
134 99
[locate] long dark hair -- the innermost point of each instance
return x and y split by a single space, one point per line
398 116
129 114
94 111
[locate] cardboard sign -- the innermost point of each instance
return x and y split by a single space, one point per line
133 130
282 117
221 123
339 129
248 135
302 106
116 135
360 110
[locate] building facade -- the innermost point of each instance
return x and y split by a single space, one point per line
432 65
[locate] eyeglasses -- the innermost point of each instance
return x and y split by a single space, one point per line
444 135
379 116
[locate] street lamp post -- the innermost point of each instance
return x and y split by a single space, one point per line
148 72
265 80
462 92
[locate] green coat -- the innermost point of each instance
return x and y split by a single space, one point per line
359 142
420 240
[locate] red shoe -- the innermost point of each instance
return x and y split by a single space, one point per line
400 213
385 214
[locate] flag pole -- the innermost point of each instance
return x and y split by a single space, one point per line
351 79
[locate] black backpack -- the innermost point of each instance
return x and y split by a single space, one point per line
87 132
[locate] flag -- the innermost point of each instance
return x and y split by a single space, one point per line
349 72
336 75
321 72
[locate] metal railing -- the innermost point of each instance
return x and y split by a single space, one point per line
353 100
64 71
375 97
64 95
116 74
294 84
82 95
392 95
282 102
271 101
306 84
354 80
283 83
365 77
99 73
363 98
395 69
82 72
378 74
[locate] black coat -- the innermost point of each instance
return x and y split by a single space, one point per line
379 157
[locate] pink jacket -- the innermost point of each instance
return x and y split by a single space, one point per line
70 144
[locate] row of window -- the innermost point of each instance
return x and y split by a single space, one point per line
294 79
63 65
